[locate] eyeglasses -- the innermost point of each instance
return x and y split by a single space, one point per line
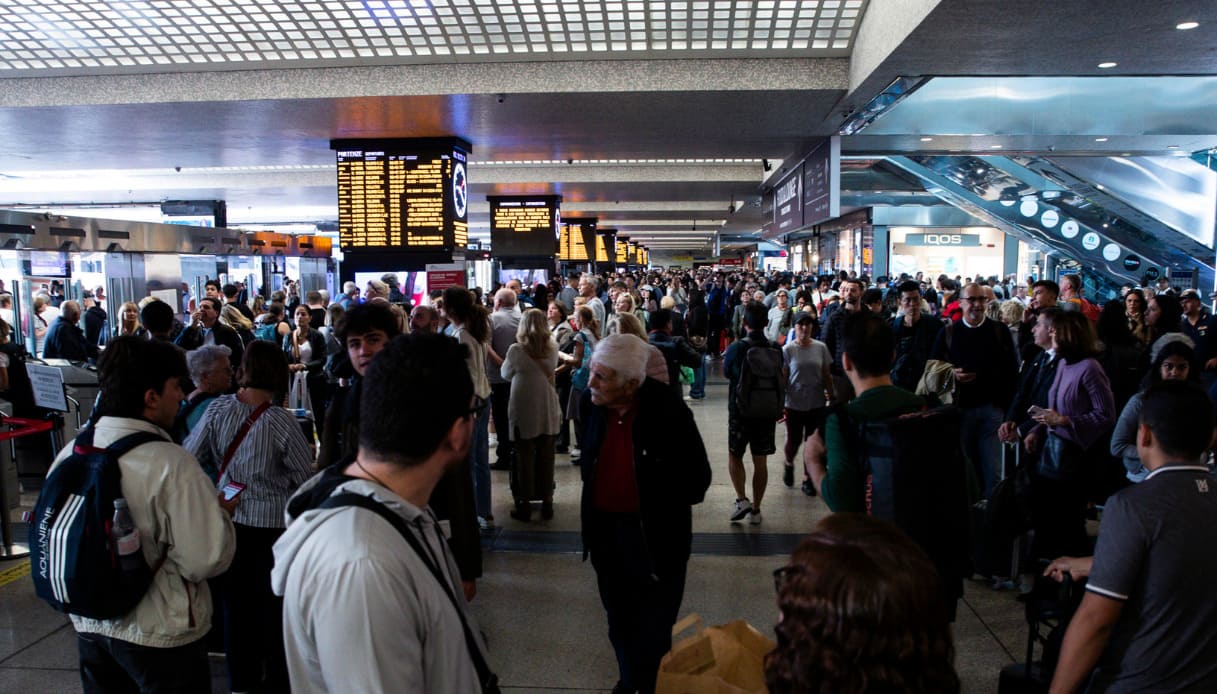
783 574
479 405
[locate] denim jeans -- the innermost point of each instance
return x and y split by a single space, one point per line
479 462
978 436
111 665
698 390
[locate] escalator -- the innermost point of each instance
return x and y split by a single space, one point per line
1124 231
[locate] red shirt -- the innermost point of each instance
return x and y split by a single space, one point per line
616 487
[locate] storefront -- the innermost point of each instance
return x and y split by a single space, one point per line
963 251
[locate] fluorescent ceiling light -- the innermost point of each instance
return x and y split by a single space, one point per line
1184 26
1100 139
1107 65
927 139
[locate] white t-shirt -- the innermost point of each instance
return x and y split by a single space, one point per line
805 389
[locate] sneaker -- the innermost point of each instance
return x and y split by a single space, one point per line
788 475
754 518
494 441
486 524
808 488
742 508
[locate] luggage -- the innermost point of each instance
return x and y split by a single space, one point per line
76 567
1049 607
917 477
761 390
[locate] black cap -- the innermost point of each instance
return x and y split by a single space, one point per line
804 317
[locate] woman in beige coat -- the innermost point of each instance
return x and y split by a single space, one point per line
534 413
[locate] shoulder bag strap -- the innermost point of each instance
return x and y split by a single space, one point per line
236 441
489 680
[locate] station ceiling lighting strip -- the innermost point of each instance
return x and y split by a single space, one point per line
58 34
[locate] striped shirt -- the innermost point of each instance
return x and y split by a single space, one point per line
272 461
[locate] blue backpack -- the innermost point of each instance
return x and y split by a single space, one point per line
73 563
268 332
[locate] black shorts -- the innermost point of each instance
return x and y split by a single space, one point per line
756 434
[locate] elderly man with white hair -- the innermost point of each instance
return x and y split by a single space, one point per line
504 322
644 466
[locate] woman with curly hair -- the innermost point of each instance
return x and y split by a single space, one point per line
860 611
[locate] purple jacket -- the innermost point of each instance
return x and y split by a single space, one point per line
1082 393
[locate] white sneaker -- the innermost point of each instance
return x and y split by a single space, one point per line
494 441
754 518
742 508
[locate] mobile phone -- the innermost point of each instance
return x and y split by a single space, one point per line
1034 410
232 490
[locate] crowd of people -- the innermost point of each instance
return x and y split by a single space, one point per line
310 594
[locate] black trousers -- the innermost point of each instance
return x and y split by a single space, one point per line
641 599
500 393
253 615
563 386
111 666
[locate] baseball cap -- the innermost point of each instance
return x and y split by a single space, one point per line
1189 294
804 317
86 294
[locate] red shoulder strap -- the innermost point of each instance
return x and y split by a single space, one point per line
236 441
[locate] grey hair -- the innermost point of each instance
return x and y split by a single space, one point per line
200 360
625 354
505 297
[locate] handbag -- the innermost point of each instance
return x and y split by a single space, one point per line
686 375
1061 459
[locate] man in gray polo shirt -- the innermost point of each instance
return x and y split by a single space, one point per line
1148 621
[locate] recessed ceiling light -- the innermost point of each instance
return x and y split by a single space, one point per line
926 139
1109 64
1100 139
1184 26
994 146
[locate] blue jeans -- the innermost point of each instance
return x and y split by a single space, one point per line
978 436
479 462
698 390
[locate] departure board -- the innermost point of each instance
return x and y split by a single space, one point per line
631 254
406 195
524 226
623 251
577 232
606 247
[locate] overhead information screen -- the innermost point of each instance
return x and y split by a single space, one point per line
404 195
524 226
623 251
606 247
632 253
577 234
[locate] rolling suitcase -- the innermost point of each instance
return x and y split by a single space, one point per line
1049 607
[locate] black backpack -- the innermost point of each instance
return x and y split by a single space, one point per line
917 477
761 390
73 563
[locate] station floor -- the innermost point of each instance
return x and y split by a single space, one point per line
537 602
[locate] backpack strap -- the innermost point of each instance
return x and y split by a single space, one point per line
84 443
236 441
489 680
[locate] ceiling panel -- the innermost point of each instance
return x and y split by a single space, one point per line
162 35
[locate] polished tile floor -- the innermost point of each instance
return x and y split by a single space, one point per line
537 603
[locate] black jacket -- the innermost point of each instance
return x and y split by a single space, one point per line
95 325
65 340
670 467
192 338
677 352
914 352
316 362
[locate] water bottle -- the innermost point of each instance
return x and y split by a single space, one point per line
125 537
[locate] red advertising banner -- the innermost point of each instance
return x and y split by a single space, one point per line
440 277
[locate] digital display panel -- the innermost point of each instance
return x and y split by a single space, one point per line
524 226
623 251
407 195
606 246
578 236
822 183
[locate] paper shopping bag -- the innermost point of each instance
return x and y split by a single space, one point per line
732 664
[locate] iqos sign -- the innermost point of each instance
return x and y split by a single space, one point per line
942 240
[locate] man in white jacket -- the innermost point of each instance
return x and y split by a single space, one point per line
159 645
365 609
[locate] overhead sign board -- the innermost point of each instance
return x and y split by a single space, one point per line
942 240
606 246
788 202
404 194
822 183
623 250
524 225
